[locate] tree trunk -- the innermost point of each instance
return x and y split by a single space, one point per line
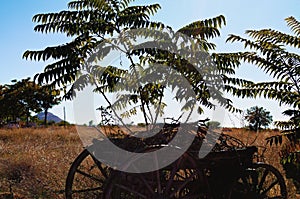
27 117
45 118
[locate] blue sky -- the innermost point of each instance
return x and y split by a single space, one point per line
17 34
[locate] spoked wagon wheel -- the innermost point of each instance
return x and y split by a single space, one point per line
86 177
260 181
178 180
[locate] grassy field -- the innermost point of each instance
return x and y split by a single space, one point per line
34 162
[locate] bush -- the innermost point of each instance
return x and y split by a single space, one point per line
213 124
62 123
141 124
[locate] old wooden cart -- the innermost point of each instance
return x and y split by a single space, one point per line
228 171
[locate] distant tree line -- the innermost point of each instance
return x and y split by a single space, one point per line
20 99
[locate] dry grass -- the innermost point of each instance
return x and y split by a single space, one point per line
34 162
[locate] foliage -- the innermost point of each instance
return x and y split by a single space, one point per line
48 98
64 123
106 116
273 53
290 160
19 99
258 117
141 124
213 124
95 24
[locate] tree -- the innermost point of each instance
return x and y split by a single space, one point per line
28 97
19 99
48 97
273 53
12 101
3 107
258 117
91 123
213 124
94 23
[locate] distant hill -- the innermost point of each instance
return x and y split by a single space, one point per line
50 117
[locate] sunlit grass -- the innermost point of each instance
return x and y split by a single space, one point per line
34 162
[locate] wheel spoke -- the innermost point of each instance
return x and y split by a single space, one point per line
270 187
179 176
246 182
146 184
263 178
100 167
158 180
87 190
172 176
184 183
104 172
157 173
89 176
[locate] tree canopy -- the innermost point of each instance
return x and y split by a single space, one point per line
107 25
19 99
258 117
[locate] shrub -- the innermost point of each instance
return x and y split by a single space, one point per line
213 124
